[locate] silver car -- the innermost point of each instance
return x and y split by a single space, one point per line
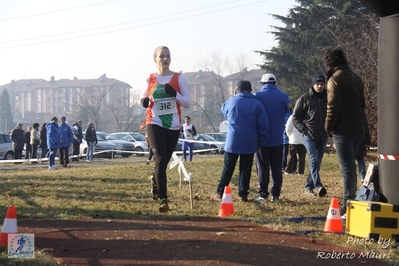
138 140
104 148
6 150
216 145
125 147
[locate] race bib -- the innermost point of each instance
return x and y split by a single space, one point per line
165 106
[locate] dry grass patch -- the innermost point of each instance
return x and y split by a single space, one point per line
120 189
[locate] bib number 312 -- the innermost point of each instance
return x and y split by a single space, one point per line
165 106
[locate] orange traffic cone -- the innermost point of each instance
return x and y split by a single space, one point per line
226 208
9 225
333 221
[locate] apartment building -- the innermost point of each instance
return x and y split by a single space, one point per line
64 96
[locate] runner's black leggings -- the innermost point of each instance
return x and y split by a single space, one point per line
162 142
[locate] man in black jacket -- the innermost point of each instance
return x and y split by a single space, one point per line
344 121
17 137
309 117
77 137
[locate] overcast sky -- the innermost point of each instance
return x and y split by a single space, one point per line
88 38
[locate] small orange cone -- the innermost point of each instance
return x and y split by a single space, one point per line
226 208
9 225
333 221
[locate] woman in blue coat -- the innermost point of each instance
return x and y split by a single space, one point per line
53 141
248 128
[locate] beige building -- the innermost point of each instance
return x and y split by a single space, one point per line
63 96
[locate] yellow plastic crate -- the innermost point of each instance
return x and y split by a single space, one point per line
372 220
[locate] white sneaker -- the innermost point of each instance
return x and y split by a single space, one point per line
260 199
88 161
52 167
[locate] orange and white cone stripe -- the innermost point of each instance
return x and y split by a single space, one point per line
9 225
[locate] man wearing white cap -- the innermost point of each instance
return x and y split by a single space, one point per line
271 156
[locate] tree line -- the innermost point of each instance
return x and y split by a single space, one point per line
311 28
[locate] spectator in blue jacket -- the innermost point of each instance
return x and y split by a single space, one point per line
67 140
271 156
53 141
248 128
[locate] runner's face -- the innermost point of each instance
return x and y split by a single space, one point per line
162 59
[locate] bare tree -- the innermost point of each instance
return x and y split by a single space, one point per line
126 118
209 88
90 102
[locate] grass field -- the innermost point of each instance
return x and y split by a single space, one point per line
119 189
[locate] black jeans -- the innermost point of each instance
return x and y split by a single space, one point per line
17 153
245 167
163 142
44 152
34 151
28 151
269 158
64 156
76 150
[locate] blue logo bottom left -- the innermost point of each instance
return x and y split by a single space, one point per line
21 246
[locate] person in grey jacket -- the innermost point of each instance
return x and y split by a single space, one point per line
309 117
248 127
18 136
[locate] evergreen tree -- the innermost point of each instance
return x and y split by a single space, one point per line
6 118
310 29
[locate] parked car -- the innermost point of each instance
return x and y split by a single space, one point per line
217 146
138 140
219 136
102 145
197 146
6 150
125 146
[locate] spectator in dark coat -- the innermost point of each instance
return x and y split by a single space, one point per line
17 137
43 140
77 136
91 140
